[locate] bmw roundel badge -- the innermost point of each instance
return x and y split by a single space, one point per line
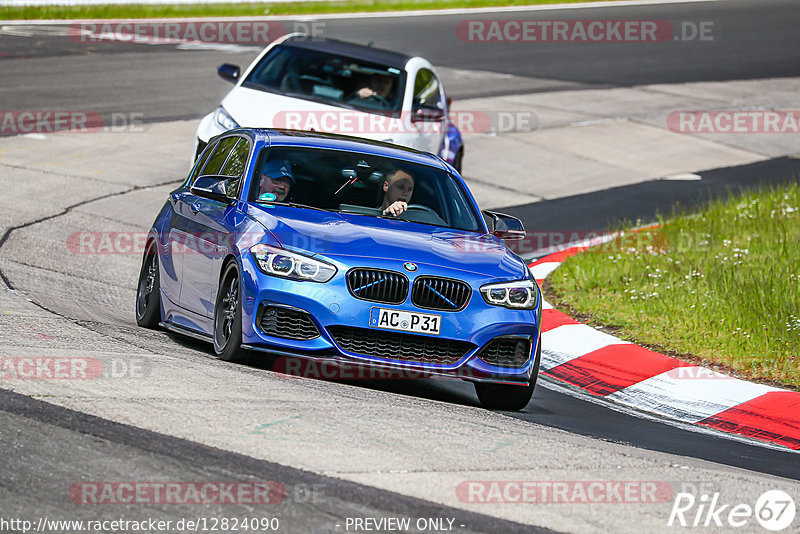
411 267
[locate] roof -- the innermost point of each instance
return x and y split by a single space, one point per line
356 51
345 142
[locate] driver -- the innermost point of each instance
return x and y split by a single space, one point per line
398 188
276 178
379 86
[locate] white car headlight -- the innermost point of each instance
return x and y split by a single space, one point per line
224 119
521 294
279 262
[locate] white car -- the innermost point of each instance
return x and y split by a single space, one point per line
304 83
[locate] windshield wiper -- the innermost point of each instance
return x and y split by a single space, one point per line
294 205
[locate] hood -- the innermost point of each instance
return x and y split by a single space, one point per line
253 108
343 235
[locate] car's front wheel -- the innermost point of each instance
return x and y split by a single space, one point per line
228 316
148 295
506 397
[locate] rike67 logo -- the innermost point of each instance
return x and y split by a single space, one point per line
774 510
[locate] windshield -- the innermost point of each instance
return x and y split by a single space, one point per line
362 184
330 78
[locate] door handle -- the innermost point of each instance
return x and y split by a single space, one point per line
195 207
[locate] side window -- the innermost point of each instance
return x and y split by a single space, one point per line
237 160
426 90
235 165
217 159
199 165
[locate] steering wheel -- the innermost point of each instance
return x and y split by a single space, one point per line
379 99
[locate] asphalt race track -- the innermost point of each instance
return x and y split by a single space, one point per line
109 76
352 449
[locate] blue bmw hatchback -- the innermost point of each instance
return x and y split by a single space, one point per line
337 249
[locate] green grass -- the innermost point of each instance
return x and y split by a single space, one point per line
721 287
137 11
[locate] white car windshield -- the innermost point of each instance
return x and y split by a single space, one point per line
329 78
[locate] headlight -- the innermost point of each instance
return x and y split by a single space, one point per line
279 262
522 294
224 119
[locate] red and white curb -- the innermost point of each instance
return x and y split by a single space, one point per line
646 381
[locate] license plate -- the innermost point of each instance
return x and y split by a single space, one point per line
422 323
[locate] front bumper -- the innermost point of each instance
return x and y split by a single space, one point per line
332 308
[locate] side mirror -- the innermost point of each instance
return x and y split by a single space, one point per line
229 72
213 187
505 226
427 115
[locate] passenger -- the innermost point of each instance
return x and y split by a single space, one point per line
276 178
398 188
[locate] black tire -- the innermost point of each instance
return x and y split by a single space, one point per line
148 294
458 161
509 398
228 316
